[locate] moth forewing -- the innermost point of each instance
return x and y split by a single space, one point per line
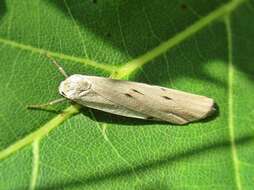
72 89
154 101
134 99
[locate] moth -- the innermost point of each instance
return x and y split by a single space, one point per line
134 99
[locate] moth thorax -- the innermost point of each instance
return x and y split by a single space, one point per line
74 86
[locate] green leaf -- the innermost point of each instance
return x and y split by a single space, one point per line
203 47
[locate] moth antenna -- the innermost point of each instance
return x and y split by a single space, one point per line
57 65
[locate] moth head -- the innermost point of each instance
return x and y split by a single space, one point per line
74 87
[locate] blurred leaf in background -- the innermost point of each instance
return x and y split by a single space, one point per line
202 47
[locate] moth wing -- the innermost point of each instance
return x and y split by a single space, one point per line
156 102
77 88
94 100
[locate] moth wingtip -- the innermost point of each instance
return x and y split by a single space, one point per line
209 113
214 107
212 111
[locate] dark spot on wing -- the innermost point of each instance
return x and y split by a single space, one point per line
128 95
150 118
163 89
167 98
134 90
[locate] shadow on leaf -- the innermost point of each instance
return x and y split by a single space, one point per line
2 8
135 27
146 166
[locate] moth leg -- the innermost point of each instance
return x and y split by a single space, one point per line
46 105
62 71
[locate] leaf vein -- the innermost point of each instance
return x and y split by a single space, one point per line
77 27
231 104
138 62
41 132
35 168
14 44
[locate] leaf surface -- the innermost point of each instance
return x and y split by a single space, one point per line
202 47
